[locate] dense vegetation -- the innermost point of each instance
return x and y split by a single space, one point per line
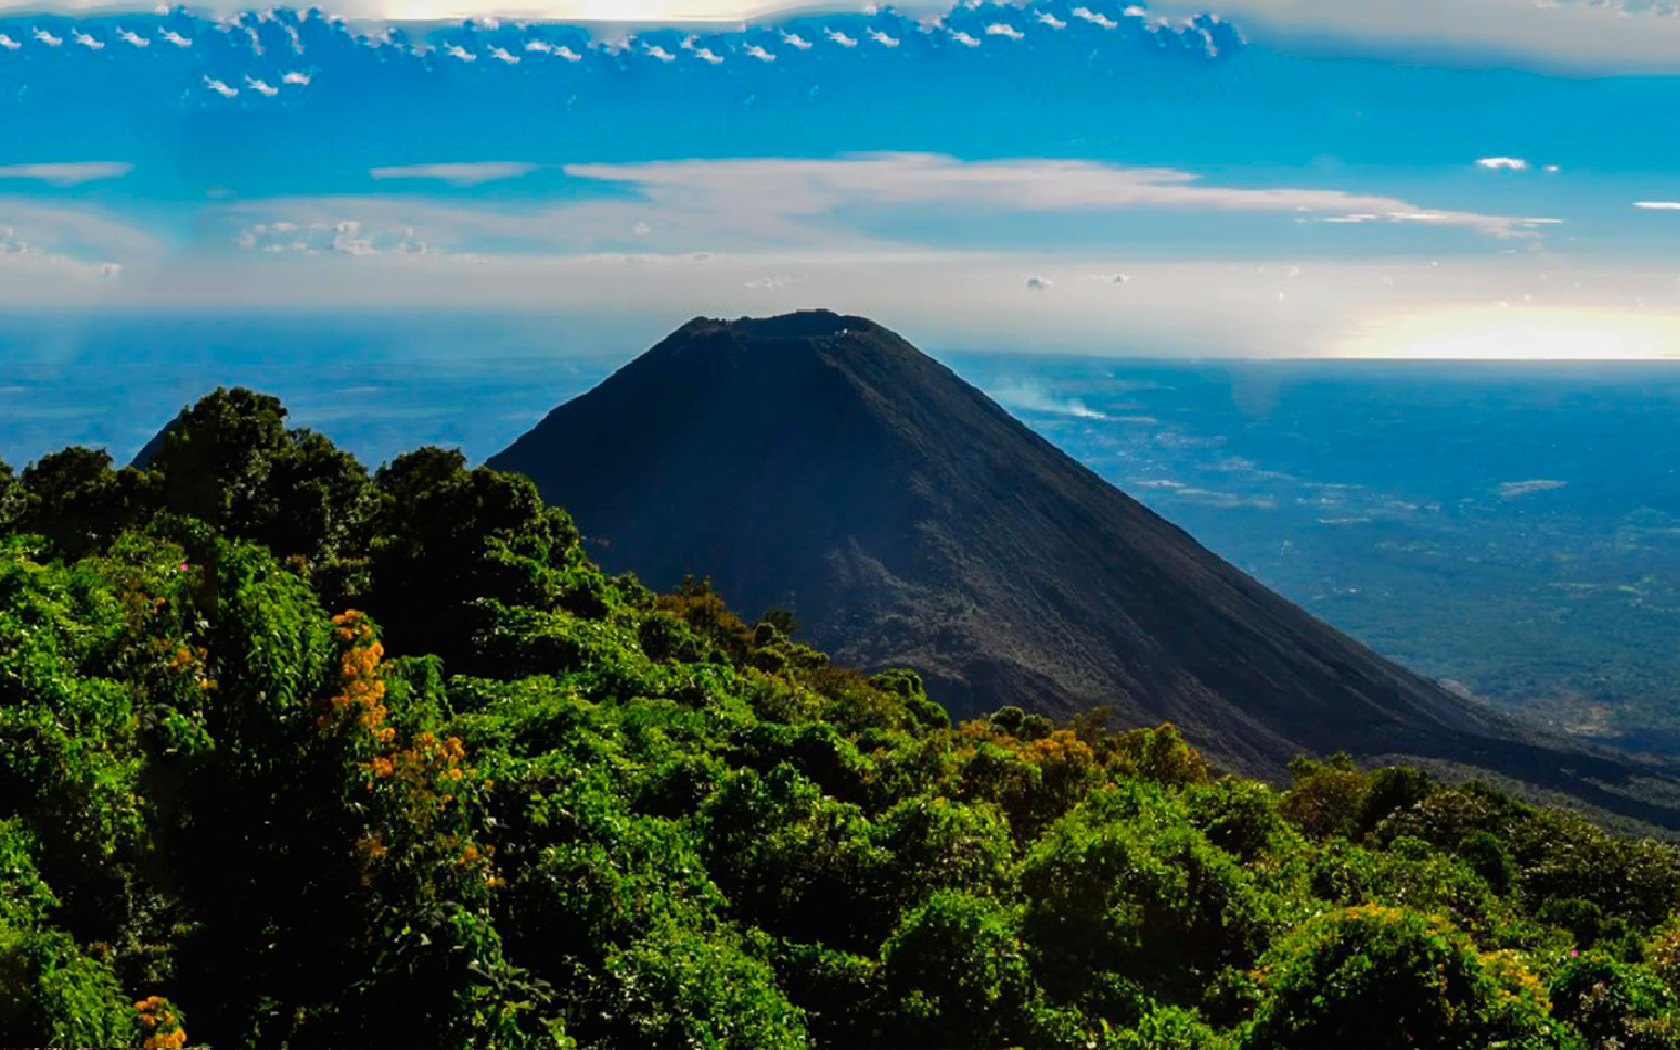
292 755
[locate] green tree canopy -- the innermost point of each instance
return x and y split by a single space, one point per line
295 757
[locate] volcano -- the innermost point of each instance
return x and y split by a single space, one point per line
821 464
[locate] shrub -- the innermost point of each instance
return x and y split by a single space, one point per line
1386 979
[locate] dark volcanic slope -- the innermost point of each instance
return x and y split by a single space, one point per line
822 464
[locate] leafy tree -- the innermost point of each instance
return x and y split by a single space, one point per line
1383 977
8 489
792 859
1243 818
1141 906
450 540
52 993
214 456
1611 1003
936 844
1489 858
1326 798
79 503
231 461
957 973
1388 791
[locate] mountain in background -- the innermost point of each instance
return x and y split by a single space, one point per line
821 464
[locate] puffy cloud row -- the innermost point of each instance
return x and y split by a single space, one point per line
261 54
341 237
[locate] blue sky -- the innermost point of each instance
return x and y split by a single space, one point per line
1268 177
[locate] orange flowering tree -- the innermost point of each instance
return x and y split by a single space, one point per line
161 1023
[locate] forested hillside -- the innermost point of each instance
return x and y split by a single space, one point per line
296 755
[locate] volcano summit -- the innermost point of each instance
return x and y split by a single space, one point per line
820 463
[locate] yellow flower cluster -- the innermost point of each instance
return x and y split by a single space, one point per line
161 1022
1516 980
428 754
429 772
363 693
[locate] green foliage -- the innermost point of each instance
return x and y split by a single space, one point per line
291 756
1383 977
8 495
230 460
956 973
1614 1004
52 993
79 503
1326 798
1167 1028
1126 900
1243 818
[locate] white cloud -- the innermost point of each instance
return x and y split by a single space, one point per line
1503 164
261 87
1094 17
1051 20
1614 37
175 38
1513 489
501 54
459 174
47 38
655 51
132 39
300 79
964 39
219 87
795 40
841 38
457 51
87 40
8 43
1002 29
74 231
883 39
68 174
340 237
1657 205
779 194
759 53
